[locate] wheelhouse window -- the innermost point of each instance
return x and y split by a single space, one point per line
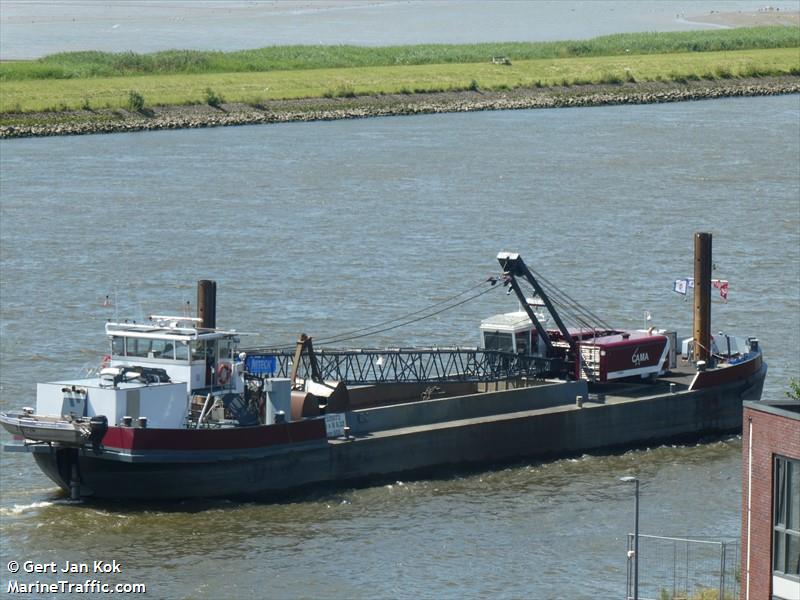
143 348
495 340
137 347
182 351
117 346
786 526
163 349
524 342
224 349
201 350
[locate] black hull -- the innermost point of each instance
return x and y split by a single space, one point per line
556 430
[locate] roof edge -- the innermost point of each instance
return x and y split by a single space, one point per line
789 409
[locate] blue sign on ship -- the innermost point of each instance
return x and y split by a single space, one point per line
262 364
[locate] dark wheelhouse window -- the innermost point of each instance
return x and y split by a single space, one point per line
494 340
182 351
786 541
118 346
138 347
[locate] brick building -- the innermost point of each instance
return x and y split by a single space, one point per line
770 547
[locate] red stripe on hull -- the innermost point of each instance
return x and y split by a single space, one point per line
129 438
724 375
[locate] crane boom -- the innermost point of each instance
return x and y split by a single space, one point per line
513 266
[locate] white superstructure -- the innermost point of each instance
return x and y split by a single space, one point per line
199 357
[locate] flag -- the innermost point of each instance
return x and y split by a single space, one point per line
682 286
722 286
723 290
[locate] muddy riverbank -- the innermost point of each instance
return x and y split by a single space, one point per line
196 116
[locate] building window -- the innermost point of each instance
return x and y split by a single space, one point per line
786 519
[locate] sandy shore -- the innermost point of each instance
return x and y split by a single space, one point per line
748 19
183 117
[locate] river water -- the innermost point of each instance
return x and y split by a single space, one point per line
29 29
326 227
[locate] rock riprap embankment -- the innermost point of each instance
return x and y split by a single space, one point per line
325 109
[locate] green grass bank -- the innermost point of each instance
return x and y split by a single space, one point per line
82 65
61 95
103 88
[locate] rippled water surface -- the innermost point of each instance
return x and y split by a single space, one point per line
33 29
324 227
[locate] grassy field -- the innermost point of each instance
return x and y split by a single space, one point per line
30 95
81 65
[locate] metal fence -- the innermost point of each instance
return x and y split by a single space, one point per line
684 569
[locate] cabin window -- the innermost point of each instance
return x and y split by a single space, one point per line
182 351
224 349
117 346
524 342
494 340
200 350
138 347
162 349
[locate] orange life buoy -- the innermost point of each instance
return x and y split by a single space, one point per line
223 373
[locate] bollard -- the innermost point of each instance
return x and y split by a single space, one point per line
672 388
127 421
143 422
579 401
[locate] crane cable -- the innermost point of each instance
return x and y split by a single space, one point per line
567 311
433 314
566 302
350 335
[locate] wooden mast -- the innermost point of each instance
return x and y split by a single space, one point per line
207 303
702 297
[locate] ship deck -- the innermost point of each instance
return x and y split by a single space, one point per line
681 377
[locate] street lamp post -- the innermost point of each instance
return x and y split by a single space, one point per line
635 480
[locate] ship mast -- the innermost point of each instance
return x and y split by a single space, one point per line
702 297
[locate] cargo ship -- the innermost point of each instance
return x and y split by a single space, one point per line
179 409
